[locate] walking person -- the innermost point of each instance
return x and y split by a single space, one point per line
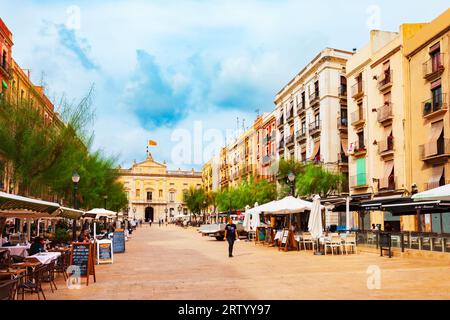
150 222
231 235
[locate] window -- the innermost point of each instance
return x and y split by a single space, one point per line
361 171
435 54
317 119
149 196
316 88
436 94
138 193
160 193
361 144
172 196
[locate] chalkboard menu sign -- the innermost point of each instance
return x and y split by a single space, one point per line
104 251
82 256
119 241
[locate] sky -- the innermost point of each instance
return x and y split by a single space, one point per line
185 73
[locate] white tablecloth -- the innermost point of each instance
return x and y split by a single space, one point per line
46 257
18 250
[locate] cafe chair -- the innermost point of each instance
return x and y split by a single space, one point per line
8 290
48 276
350 242
62 264
5 259
34 283
335 242
308 239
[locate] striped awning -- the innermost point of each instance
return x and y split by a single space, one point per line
12 205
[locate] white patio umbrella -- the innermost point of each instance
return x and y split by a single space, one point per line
315 219
287 205
99 212
441 193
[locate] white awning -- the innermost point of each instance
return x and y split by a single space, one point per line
12 205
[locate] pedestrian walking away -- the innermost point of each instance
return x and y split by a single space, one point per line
231 235
150 222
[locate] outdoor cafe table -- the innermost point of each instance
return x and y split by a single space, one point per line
18 250
45 257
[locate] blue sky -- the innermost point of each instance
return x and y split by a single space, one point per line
160 67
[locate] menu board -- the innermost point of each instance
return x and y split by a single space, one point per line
104 251
119 241
81 257
285 236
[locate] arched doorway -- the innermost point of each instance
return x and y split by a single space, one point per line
149 212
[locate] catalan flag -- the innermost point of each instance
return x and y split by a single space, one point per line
152 143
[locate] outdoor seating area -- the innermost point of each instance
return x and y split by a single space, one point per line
42 241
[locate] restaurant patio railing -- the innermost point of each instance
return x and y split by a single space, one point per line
424 241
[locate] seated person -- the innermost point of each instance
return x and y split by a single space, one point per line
84 237
37 246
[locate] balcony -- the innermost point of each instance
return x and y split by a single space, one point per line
281 145
358 118
385 81
342 159
435 152
301 135
342 92
6 69
359 149
280 122
315 127
358 90
433 68
435 107
301 108
386 147
267 160
384 113
290 141
388 184
314 98
290 115
358 181
434 185
342 123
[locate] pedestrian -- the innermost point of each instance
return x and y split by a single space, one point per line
150 222
231 235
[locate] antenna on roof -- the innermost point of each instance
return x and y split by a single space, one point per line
257 112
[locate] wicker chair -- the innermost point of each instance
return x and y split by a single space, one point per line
33 283
48 275
8 290
62 264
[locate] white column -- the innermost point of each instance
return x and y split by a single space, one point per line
348 216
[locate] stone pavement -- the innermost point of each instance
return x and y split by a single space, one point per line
175 263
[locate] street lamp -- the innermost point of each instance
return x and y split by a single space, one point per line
75 180
105 197
166 210
291 179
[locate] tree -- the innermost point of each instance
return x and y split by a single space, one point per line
41 155
195 199
316 179
284 168
246 194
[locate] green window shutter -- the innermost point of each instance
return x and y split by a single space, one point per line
361 171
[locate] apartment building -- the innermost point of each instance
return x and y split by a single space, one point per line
311 112
427 117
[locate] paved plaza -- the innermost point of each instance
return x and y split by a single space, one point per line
175 263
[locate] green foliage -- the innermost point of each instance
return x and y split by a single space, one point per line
246 194
43 155
317 180
284 168
195 199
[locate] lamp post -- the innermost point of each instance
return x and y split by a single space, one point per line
166 210
75 180
105 197
291 179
